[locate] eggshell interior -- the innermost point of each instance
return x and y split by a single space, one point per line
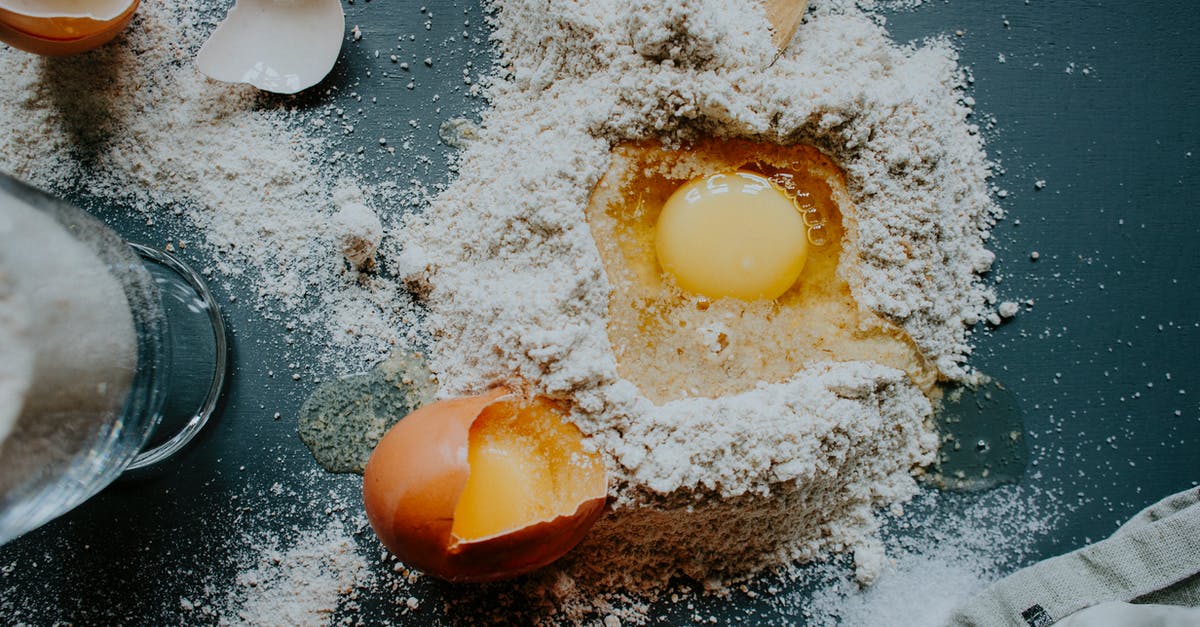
281 47
526 466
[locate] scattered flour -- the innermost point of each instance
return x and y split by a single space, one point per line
936 561
890 5
300 581
356 228
135 124
715 489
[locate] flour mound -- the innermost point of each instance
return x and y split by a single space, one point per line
517 292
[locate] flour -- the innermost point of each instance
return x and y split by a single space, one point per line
716 489
70 360
16 364
517 293
299 581
137 125
356 228
937 563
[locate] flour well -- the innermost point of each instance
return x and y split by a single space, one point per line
518 294
501 276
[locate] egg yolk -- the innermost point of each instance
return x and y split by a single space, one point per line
732 234
526 465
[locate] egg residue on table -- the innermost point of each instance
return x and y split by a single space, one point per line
342 420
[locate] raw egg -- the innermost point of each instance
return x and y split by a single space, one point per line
282 47
483 488
677 343
732 235
62 27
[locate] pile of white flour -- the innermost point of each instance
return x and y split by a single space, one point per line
518 294
504 261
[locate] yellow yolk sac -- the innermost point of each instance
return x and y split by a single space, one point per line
526 465
732 234
483 488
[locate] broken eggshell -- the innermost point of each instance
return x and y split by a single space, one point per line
421 472
281 46
62 27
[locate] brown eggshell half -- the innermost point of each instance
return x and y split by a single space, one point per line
415 476
60 36
413 482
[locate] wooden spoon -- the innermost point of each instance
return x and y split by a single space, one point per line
784 17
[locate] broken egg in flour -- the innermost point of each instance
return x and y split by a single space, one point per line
729 266
62 27
281 46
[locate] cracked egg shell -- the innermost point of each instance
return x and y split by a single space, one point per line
63 27
483 488
281 46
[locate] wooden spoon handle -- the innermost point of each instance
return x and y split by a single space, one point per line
784 17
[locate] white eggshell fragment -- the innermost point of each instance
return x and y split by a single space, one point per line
282 46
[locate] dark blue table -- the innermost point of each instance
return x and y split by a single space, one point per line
1096 99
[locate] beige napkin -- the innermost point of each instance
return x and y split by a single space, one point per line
1152 560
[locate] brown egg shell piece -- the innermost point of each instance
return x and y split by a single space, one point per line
391 485
28 33
427 543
